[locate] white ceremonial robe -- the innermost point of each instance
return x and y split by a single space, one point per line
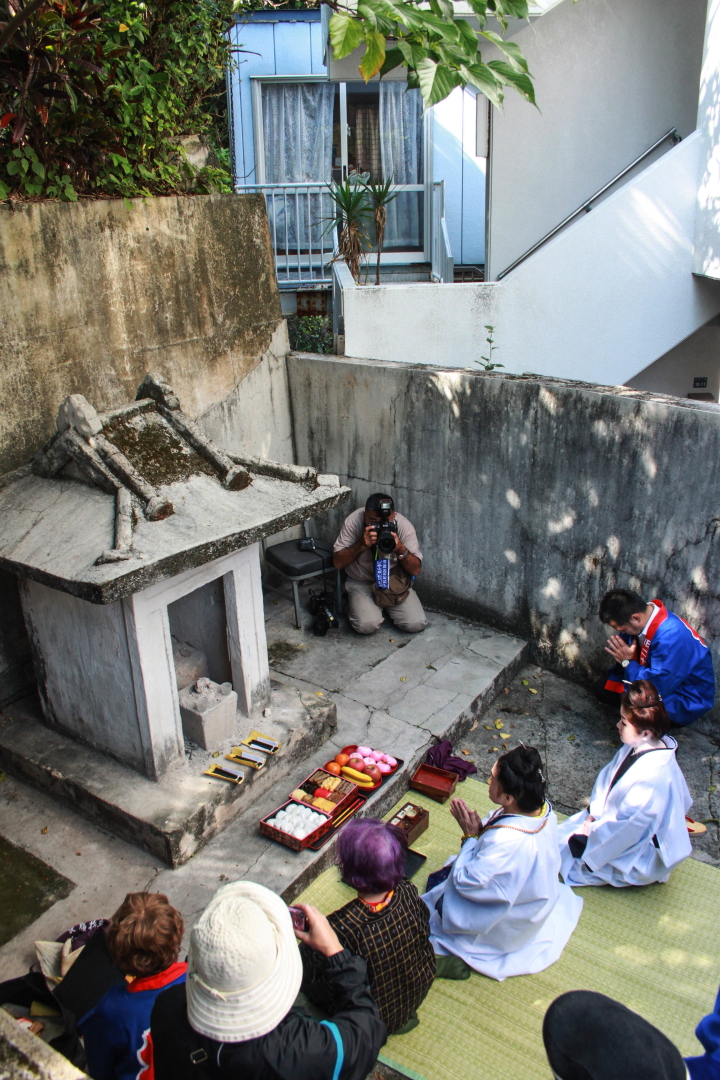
650 800
505 911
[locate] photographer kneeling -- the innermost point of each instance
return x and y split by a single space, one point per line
379 550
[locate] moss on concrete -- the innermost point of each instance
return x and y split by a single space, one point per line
28 887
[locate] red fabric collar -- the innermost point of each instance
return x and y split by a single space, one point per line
156 982
659 617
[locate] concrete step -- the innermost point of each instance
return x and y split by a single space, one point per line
436 685
171 819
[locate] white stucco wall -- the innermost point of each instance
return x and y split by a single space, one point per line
707 223
611 77
698 356
600 302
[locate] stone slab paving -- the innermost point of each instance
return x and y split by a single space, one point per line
372 681
577 737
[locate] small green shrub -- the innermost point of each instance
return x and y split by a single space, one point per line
311 333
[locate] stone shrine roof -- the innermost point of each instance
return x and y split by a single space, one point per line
116 502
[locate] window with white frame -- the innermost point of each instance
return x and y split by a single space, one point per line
312 131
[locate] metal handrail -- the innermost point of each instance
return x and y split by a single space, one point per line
672 134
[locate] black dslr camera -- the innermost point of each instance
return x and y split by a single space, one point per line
322 607
386 529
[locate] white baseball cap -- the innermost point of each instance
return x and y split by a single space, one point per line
244 966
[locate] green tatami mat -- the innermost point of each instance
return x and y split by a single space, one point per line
656 949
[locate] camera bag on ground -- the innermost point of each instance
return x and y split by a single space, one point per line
399 585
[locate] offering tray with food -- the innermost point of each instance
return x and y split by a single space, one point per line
364 766
326 791
296 825
365 780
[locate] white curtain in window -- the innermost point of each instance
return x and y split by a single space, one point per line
401 148
297 137
297 130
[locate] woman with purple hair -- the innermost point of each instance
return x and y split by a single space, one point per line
387 924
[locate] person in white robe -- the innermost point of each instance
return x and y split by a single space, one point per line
634 831
502 908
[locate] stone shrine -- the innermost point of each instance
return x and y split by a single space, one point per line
136 540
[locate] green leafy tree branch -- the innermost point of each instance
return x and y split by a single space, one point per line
439 48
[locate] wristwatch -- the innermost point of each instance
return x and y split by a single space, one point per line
624 663
403 555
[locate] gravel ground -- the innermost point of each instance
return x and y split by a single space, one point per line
576 737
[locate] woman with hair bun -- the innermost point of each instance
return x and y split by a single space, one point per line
634 831
499 907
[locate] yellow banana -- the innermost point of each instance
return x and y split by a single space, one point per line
362 779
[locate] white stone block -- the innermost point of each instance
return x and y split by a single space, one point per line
207 711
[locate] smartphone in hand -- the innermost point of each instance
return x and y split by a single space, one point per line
299 919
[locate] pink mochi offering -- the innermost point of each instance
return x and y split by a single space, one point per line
369 760
391 761
384 767
376 755
363 750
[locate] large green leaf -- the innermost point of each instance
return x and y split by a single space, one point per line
485 81
411 52
445 7
468 38
374 55
514 9
345 34
436 81
411 17
393 59
509 48
517 79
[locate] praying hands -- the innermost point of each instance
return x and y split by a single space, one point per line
468 820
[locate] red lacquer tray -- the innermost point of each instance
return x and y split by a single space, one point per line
439 784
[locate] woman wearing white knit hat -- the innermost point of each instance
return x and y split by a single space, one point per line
234 1017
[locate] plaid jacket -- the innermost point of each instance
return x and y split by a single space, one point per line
395 944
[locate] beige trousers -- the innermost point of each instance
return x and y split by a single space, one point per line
366 617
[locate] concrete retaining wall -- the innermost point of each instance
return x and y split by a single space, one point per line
98 293
531 496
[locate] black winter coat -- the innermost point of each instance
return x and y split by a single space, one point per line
299 1048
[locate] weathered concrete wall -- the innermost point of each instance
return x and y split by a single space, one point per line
96 294
531 496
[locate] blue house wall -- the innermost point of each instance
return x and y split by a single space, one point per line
291 43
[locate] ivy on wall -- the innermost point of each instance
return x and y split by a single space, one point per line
95 99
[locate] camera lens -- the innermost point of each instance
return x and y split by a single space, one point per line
320 626
386 542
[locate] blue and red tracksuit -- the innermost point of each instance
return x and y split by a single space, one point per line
677 662
116 1031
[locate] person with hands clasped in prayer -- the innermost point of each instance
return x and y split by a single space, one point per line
498 907
634 831
653 643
